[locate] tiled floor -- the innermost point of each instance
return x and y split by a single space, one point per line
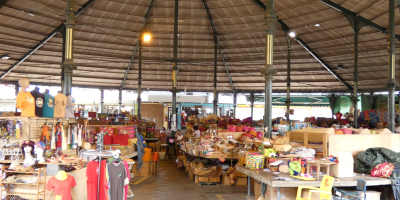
172 183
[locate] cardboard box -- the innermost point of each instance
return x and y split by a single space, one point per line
210 180
305 193
241 181
286 193
145 170
257 190
345 167
196 178
191 175
225 180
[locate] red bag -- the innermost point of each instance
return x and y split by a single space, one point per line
383 170
108 139
121 139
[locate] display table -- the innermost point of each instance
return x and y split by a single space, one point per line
267 178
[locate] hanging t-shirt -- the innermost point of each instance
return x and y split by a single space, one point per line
118 179
69 112
39 101
26 103
60 105
338 116
48 106
92 174
62 189
129 178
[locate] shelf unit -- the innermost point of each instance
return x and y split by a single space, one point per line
38 193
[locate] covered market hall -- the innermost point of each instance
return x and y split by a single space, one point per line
199 99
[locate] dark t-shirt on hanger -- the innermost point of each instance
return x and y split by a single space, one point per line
39 102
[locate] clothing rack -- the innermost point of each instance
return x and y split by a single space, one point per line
99 154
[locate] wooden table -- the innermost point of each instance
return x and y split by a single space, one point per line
267 178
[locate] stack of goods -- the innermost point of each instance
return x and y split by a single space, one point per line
232 175
211 172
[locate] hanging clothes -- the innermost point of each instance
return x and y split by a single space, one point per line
45 137
69 135
10 128
126 187
58 136
118 179
92 174
74 135
53 139
79 136
18 129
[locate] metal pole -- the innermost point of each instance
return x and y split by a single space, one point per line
332 102
68 65
289 42
234 103
252 104
355 93
371 100
391 80
179 120
16 94
101 100
269 70
215 102
139 98
175 59
120 102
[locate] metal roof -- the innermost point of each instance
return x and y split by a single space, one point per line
107 31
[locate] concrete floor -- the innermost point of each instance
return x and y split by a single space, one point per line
173 183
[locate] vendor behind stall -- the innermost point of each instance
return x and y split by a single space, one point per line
179 139
196 132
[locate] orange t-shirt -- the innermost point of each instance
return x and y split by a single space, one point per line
26 103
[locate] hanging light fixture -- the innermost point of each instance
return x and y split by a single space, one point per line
292 34
147 37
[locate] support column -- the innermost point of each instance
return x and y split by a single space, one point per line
332 103
120 102
288 79
179 118
234 103
139 97
68 64
357 27
252 104
391 79
16 94
371 100
101 100
175 59
215 102
269 70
